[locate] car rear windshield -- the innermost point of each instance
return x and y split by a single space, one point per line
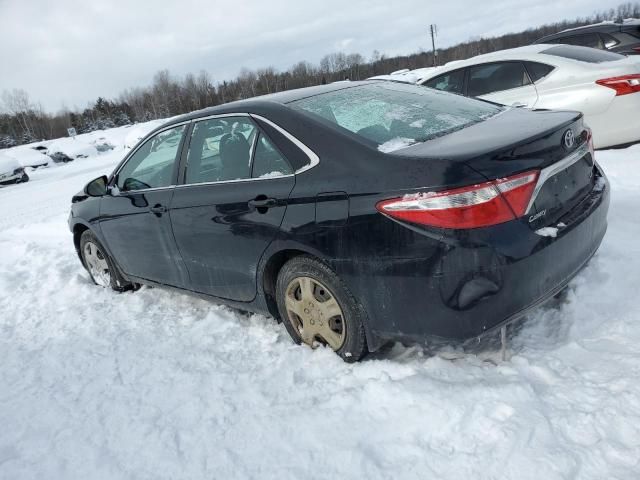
393 115
583 54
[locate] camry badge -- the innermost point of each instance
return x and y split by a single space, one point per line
569 139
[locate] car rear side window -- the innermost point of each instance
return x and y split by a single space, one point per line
583 54
449 82
392 115
538 70
220 150
608 40
496 77
268 162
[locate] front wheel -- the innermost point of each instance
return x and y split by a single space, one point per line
25 178
101 268
317 308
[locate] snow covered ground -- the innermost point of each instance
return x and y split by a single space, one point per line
154 385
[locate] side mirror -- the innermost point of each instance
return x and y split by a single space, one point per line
97 187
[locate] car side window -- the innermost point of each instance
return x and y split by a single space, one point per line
449 82
268 162
608 40
496 77
537 70
591 40
152 165
220 150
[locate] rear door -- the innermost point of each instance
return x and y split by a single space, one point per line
230 205
502 82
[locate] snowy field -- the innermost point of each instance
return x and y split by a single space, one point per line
155 385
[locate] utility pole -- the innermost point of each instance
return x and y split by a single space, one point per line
434 32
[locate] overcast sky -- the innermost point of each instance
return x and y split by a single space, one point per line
67 53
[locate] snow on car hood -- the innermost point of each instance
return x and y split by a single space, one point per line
8 164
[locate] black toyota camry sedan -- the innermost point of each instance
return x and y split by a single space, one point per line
356 212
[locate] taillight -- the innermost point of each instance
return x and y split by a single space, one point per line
637 49
475 206
590 142
622 85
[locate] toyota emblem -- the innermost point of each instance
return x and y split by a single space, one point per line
569 139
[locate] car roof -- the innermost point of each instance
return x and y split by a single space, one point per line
281 98
529 52
253 104
604 27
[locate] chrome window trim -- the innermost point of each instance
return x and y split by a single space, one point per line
133 152
551 170
313 158
239 180
114 191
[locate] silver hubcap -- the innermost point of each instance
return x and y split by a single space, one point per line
315 313
97 264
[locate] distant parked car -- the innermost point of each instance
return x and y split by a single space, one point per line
59 157
11 171
621 37
604 86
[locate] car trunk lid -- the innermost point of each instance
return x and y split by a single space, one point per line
517 141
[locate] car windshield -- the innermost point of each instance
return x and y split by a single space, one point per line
393 115
583 54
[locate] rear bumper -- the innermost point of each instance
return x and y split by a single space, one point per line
480 279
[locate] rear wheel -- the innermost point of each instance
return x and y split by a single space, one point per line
318 309
101 268
25 178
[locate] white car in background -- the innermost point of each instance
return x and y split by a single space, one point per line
11 171
604 86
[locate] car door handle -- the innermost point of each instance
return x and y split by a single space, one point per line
158 209
262 203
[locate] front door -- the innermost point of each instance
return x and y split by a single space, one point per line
134 215
231 205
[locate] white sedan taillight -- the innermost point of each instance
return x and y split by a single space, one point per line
474 206
623 85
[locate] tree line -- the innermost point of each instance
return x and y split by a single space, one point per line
22 121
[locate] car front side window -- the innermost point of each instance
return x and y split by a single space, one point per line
152 165
220 150
449 82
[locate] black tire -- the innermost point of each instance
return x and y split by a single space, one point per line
25 178
354 346
116 281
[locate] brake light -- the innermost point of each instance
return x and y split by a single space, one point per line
623 85
637 49
590 142
475 206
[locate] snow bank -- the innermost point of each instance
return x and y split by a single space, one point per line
72 148
139 131
158 385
